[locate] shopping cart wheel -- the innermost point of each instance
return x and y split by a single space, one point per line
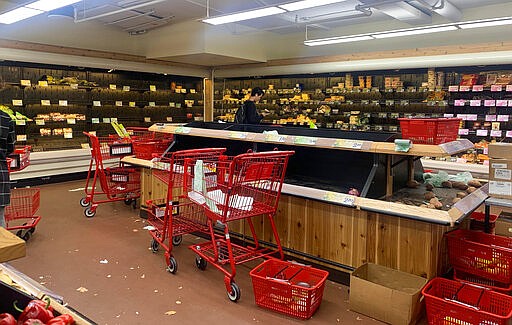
26 236
235 294
172 265
128 201
32 230
201 263
176 240
84 202
89 212
154 245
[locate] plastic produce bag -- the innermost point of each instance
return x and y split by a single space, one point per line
437 179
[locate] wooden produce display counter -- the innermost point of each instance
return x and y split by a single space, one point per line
323 224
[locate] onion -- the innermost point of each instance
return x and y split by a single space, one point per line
353 191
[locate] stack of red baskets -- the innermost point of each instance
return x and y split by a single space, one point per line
430 130
482 265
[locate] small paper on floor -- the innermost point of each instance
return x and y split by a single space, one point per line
150 228
105 261
178 302
82 289
170 312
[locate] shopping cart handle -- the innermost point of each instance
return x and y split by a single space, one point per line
278 280
299 264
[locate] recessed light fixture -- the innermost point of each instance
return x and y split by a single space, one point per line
491 22
244 15
33 9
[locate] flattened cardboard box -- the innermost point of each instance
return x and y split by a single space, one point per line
500 178
386 294
500 150
11 246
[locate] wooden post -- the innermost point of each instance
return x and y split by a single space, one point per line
208 99
410 168
389 176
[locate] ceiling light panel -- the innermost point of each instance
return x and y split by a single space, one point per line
418 31
299 5
18 14
336 40
489 23
47 5
244 15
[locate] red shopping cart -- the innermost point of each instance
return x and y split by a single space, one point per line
248 186
175 215
147 144
118 183
19 159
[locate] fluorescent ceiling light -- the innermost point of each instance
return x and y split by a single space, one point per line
47 5
486 23
244 15
418 31
335 40
18 14
298 5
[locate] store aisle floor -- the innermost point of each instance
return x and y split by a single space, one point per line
66 253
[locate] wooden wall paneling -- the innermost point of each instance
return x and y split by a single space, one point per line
282 220
146 178
387 232
371 237
415 247
298 209
359 237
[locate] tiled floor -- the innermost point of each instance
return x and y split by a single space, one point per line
104 268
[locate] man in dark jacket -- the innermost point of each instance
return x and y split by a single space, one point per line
252 116
7 140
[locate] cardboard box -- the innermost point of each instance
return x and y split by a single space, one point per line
11 246
500 150
503 225
500 178
386 294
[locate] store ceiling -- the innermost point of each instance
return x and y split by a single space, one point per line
145 17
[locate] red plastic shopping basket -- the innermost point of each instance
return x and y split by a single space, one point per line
478 221
287 287
450 302
478 253
430 130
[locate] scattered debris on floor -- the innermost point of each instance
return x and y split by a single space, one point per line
82 289
104 261
170 312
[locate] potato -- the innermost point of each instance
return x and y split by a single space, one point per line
456 199
436 203
429 195
413 184
429 187
431 206
447 184
423 206
461 194
471 189
474 183
459 185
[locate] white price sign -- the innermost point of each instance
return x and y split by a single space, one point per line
350 144
340 198
237 135
63 102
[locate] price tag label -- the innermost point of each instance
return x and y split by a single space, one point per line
17 102
25 82
126 88
490 118
501 102
182 130
478 88
340 198
192 91
131 104
464 117
106 120
475 102
496 87
237 135
147 119
275 137
152 104
350 144
68 135
45 102
152 88
496 133
40 122
63 102
113 119
119 103
510 103
502 118
113 87
42 83
21 137
508 88
169 118
459 102
172 104
71 121
74 86
482 133
464 88
463 131
404 102
305 140
447 115
21 122
390 102
489 102
471 117
508 134
95 120
96 103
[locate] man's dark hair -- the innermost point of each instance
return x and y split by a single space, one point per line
257 91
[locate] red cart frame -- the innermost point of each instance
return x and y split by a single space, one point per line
248 186
176 215
118 183
20 215
147 144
